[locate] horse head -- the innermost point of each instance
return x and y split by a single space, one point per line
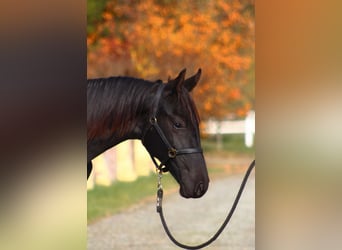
174 138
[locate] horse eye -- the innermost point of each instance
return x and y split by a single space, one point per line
177 125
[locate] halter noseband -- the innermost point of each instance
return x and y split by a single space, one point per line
154 132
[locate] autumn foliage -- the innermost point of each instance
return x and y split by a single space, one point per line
156 39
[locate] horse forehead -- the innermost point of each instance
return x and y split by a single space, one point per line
180 102
178 109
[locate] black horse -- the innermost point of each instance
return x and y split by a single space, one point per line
162 115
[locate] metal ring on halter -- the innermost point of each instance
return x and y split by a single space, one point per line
172 153
153 120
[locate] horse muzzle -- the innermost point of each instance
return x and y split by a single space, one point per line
196 191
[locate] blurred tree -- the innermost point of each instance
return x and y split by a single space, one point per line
94 14
155 38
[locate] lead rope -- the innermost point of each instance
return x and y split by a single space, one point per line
215 236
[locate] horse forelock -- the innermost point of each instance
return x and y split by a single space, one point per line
188 103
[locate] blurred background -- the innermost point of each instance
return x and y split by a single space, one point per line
156 39
43 139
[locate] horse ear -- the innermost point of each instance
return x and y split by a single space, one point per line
191 82
177 83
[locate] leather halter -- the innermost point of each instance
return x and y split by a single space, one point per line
154 134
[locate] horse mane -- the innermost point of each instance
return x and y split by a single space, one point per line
114 103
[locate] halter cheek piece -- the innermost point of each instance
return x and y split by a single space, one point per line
163 150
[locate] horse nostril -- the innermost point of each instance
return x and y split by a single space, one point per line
199 190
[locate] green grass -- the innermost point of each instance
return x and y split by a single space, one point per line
230 144
106 201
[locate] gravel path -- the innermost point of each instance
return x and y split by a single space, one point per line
192 221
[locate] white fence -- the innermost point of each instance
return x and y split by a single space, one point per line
246 126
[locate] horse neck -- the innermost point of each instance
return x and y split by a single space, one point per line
125 106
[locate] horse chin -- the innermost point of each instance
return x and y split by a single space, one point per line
183 193
193 194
